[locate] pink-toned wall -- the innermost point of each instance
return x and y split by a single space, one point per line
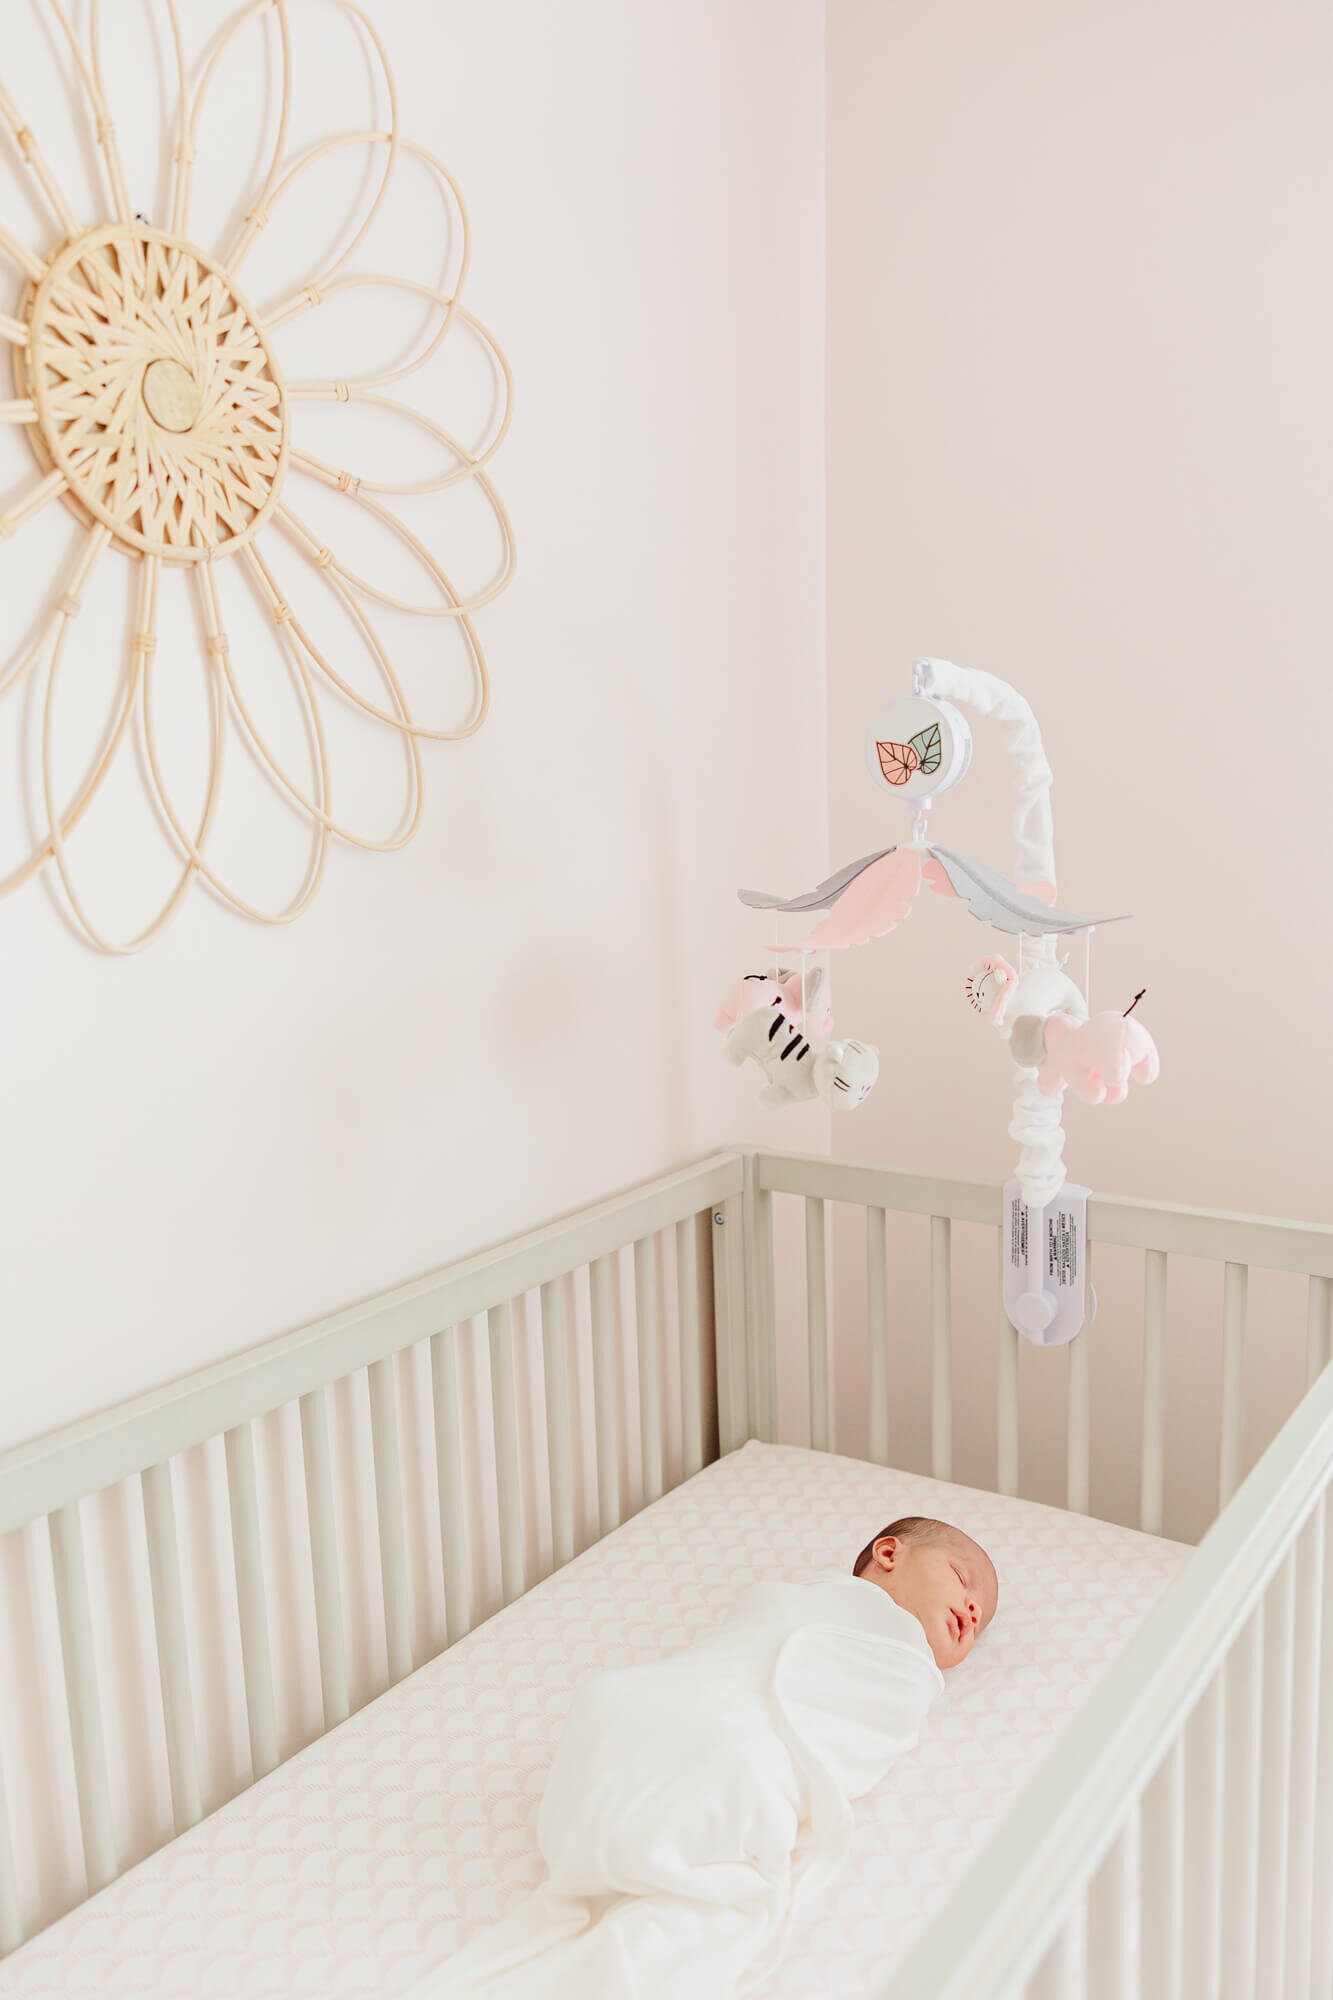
1080 427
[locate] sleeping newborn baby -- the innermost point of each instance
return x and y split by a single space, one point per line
692 1799
939 1574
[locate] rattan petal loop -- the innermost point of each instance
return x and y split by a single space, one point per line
150 391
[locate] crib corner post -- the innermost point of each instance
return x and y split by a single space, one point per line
760 1307
730 1312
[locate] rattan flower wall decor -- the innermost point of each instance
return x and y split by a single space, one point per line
152 394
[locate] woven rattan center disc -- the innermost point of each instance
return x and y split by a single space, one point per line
171 394
157 396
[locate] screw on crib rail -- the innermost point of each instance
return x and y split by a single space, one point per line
719 1218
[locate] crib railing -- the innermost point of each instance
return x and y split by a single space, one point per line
1237 1243
1179 1841
51 1476
1142 1793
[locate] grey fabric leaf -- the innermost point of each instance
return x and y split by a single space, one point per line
821 898
996 900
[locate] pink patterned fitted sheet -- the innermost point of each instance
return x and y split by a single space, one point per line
380 1848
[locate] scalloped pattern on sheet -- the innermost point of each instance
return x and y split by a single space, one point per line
382 1847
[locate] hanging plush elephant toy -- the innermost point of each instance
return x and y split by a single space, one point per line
803 998
1096 1059
1043 1016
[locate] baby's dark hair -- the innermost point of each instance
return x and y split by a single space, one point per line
911 1528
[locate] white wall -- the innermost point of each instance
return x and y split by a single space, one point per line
243 1128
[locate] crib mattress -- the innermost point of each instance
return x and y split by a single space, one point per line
382 1847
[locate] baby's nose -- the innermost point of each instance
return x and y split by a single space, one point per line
973 1611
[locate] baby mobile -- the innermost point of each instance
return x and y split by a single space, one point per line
918 746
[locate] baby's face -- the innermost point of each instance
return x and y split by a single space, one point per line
948 1585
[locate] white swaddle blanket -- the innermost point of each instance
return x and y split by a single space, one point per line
692 1799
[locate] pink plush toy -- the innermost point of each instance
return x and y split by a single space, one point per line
758 990
1095 1058
990 985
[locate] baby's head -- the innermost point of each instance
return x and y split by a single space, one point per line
940 1575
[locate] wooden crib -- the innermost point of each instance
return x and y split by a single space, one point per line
1177 1841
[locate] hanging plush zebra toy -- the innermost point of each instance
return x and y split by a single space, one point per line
842 1073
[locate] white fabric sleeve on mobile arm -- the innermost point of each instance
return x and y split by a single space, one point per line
1037 1121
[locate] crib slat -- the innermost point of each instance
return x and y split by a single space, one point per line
606 1397
1235 1287
504 1429
941 1334
1078 1423
650 1366
450 1483
1275 1796
1153 1466
1006 1396
172 1654
1205 1804
324 1557
877 1323
1318 1327
691 1347
1113 1919
247 1555
11 1915
559 1451
1312 1666
1062 1974
816 1322
85 1710
1162 1877
1243 1695
389 1512
1321 1943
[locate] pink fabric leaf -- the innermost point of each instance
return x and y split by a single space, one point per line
879 897
936 879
